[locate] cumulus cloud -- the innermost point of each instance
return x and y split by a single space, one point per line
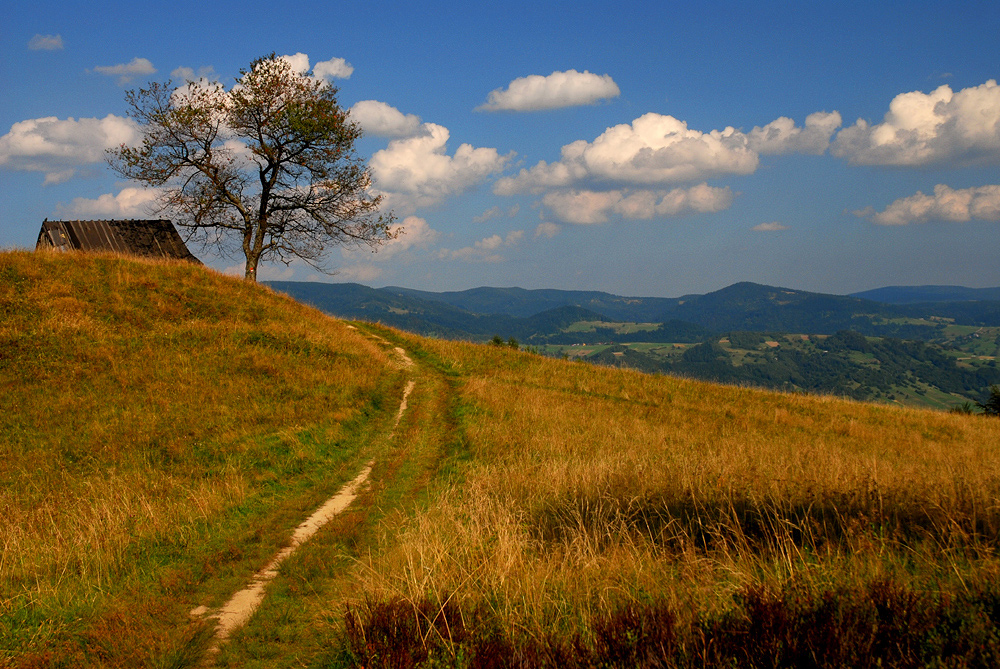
925 128
653 149
417 172
485 250
559 89
46 43
590 207
57 147
946 204
382 120
335 68
773 226
783 136
299 62
128 203
126 72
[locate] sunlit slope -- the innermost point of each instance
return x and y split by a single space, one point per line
149 411
102 354
603 502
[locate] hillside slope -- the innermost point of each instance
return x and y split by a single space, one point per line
161 426
164 428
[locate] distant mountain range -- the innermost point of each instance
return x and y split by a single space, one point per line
542 316
916 294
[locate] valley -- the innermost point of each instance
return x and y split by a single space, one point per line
939 354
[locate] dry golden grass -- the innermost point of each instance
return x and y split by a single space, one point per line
141 402
592 489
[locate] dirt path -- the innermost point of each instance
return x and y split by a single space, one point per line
242 605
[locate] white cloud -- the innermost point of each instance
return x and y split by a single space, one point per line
590 207
56 147
298 62
335 68
925 128
946 204
417 172
128 203
546 229
128 71
559 89
773 226
782 136
382 120
654 149
485 250
46 43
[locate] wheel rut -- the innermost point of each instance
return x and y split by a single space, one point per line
238 610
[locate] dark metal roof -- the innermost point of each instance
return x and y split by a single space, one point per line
156 238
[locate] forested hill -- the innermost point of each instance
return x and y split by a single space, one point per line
542 314
521 303
409 311
916 294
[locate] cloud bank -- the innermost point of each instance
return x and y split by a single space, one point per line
589 207
657 149
485 250
946 204
559 89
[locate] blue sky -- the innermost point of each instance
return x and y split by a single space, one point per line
640 148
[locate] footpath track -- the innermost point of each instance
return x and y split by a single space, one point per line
421 436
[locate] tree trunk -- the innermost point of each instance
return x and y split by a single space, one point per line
251 269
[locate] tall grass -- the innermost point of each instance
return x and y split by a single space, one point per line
151 415
593 493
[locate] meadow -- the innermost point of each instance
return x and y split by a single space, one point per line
161 426
164 428
611 518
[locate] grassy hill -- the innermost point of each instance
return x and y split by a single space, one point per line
165 428
160 427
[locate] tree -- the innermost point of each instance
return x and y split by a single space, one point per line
991 407
267 168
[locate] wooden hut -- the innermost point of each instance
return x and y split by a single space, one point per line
154 239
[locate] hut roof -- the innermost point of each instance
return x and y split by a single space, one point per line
155 238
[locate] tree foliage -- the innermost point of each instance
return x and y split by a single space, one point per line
266 169
991 407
